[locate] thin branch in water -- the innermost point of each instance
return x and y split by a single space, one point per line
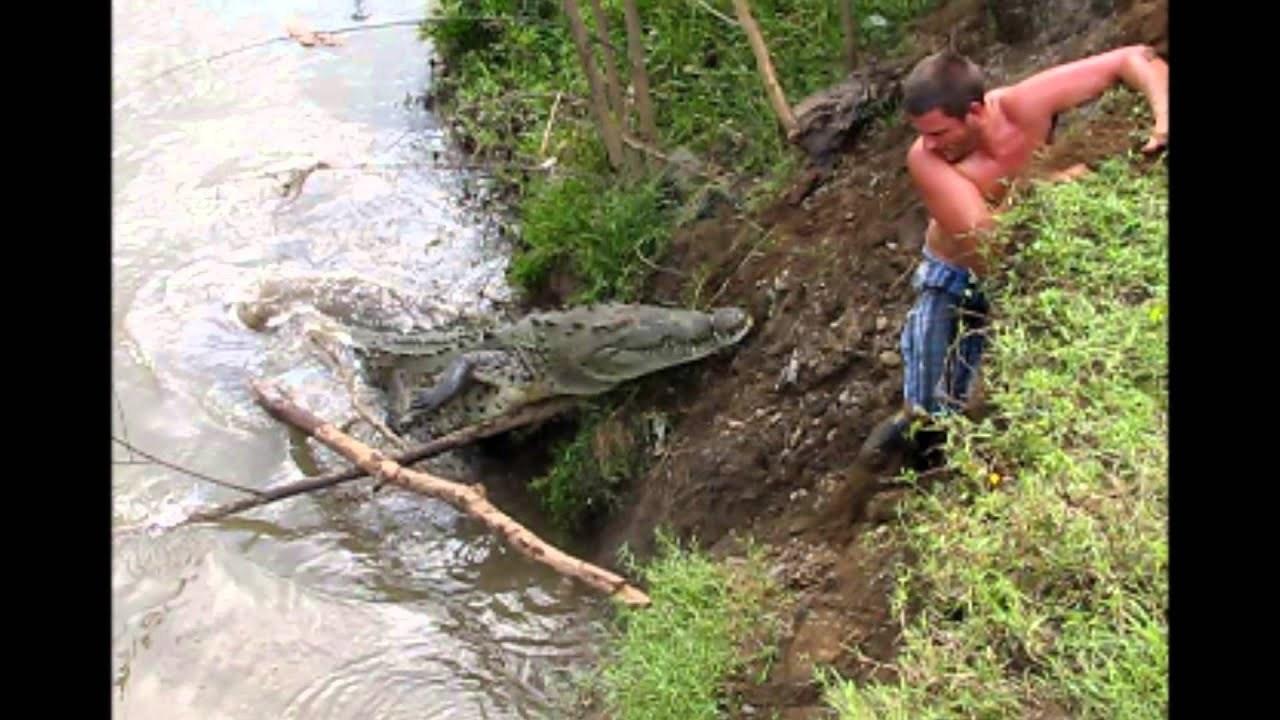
526 416
124 427
187 471
288 38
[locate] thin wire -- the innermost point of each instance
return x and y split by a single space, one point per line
193 473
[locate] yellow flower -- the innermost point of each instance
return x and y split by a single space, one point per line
994 479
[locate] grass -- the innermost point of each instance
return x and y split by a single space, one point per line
1041 580
671 661
511 59
582 485
606 234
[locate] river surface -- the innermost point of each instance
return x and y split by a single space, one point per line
315 607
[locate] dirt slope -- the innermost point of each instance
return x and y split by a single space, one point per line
764 434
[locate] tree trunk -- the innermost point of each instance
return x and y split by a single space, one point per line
849 22
613 84
609 130
470 499
776 97
639 77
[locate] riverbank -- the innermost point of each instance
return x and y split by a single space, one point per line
891 610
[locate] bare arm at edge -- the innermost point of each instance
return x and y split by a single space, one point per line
1071 84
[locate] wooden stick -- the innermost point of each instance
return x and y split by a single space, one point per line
470 499
710 170
776 97
639 76
609 129
613 83
849 24
464 436
551 119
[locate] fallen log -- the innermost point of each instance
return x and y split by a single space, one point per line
458 438
469 499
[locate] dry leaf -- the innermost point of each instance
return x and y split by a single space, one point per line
306 38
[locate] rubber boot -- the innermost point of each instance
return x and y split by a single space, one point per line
887 442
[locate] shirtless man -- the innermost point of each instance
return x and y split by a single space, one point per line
973 145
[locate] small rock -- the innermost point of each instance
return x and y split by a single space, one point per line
781 282
891 245
748 710
848 217
790 371
888 358
882 322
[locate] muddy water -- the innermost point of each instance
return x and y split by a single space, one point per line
317 607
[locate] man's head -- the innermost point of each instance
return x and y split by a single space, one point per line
943 98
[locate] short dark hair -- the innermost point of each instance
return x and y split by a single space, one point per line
946 80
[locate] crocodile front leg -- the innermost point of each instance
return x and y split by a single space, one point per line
455 378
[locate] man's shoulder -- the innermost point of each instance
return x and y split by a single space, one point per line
915 149
920 162
924 163
1019 108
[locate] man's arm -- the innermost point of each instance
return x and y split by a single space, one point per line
1065 86
954 203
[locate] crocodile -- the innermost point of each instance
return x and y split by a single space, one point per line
439 380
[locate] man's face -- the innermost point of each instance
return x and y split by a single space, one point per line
952 138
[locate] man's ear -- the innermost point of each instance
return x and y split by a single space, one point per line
977 111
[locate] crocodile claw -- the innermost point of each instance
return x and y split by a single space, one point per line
396 423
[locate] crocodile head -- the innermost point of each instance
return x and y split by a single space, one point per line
613 344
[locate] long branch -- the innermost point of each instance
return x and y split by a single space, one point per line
469 499
458 438
610 132
771 85
613 83
639 76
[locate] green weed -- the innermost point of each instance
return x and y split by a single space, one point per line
588 471
605 234
670 661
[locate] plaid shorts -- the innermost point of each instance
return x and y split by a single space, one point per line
943 338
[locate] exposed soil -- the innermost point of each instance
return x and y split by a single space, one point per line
761 437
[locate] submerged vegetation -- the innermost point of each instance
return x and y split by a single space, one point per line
1042 572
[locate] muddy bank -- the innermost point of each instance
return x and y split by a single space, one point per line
762 437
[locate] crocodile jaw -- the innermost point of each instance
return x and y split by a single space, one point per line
661 339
